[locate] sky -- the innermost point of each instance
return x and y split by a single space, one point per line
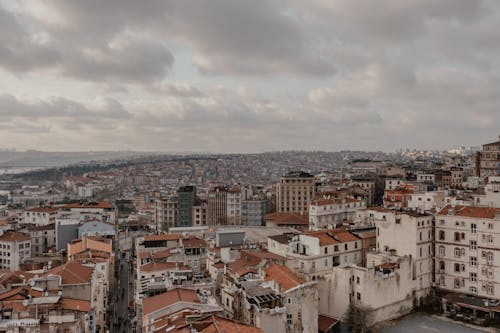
248 76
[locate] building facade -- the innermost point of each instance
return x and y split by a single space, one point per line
295 191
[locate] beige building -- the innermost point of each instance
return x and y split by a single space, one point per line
165 212
295 192
490 159
409 234
468 251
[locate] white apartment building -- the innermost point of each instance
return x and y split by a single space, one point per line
428 200
384 288
313 254
14 248
409 234
468 250
332 211
40 216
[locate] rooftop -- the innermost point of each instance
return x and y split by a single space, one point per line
158 302
283 276
12 236
471 211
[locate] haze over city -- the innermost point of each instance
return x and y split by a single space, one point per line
234 76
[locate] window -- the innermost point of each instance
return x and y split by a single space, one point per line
457 252
357 279
473 245
489 258
457 237
289 319
289 300
490 226
457 268
358 296
326 249
442 251
441 235
473 277
473 261
473 228
345 247
473 289
441 222
442 266
336 248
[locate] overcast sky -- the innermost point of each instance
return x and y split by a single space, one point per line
248 75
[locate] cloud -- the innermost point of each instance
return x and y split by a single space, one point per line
233 75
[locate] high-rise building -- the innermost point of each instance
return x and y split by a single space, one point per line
217 206
295 192
165 214
186 200
490 159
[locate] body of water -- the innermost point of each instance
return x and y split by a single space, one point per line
16 170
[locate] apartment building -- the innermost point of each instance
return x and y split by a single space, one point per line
40 216
368 185
490 159
14 248
165 212
313 254
217 206
186 199
295 192
199 214
234 206
409 234
333 211
468 251
253 212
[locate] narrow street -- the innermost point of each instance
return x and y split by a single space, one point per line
121 320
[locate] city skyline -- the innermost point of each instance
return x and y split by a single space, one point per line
230 76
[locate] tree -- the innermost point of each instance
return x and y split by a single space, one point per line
356 318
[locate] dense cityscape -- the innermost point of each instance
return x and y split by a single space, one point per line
273 242
236 166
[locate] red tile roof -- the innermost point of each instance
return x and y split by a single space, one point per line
161 266
216 324
158 302
287 219
471 211
283 276
194 242
72 273
162 237
42 210
325 323
12 236
333 236
103 205
75 304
